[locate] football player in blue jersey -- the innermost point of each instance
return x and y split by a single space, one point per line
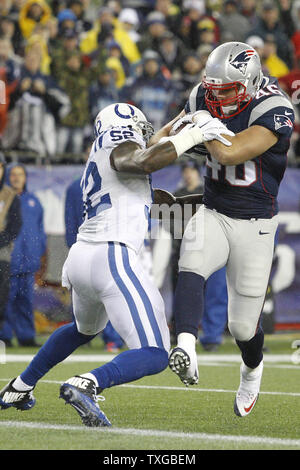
238 219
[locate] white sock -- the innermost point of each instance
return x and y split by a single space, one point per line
21 386
186 341
90 376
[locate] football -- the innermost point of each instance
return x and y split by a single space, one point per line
175 130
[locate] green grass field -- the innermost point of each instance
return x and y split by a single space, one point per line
158 412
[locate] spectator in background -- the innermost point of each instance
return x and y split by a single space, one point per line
36 98
29 247
194 20
207 33
203 52
102 92
105 29
269 24
171 12
191 71
75 81
32 13
114 50
151 92
66 20
232 21
172 52
52 35
270 60
9 29
78 8
155 30
74 77
290 83
248 10
62 51
10 226
73 219
129 20
38 44
259 45
9 74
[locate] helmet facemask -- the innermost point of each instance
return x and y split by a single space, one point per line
226 108
144 128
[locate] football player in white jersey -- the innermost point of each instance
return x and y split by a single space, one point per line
103 268
239 214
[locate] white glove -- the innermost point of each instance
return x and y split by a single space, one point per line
201 117
213 129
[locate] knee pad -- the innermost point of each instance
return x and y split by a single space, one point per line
241 331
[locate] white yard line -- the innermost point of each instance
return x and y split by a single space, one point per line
261 440
175 389
203 359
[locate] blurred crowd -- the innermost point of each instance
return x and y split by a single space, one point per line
62 61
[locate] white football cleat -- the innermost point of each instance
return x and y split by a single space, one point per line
248 392
184 365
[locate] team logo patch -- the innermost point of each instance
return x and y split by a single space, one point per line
282 120
240 62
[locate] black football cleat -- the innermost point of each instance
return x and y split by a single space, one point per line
80 393
10 397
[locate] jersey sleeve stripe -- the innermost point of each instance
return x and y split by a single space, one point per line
267 105
193 98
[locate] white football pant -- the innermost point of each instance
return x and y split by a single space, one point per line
109 283
213 240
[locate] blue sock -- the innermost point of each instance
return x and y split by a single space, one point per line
131 365
58 347
188 302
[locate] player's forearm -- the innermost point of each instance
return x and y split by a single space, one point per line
246 145
156 157
129 159
164 131
223 154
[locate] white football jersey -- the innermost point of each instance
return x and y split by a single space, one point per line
117 205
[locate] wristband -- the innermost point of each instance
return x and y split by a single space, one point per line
185 139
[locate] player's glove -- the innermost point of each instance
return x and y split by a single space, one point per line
213 129
199 117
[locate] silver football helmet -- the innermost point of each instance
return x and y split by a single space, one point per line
232 78
125 115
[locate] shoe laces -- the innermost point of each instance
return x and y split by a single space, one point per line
99 398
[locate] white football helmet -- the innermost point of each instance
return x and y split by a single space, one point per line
125 115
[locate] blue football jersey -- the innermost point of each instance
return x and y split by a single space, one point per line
249 190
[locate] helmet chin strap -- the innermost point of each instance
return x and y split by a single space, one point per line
229 109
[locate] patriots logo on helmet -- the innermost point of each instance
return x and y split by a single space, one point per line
240 62
281 120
